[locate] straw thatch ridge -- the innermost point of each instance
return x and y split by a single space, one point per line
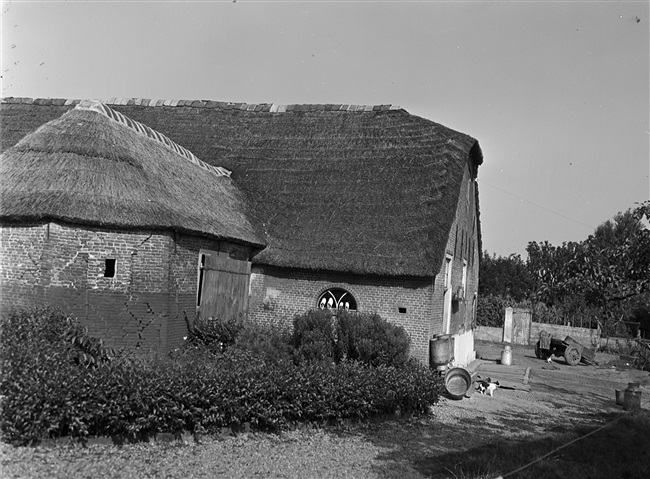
101 108
84 168
365 191
259 107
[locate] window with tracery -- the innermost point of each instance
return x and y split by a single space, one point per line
337 298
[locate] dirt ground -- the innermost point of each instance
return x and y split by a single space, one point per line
542 397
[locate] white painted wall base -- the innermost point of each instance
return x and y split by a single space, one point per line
464 352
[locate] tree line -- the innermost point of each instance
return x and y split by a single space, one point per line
603 280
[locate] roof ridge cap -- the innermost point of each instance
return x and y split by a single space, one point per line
256 107
144 130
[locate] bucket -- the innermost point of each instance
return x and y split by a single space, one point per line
631 400
633 386
506 356
439 350
458 382
619 396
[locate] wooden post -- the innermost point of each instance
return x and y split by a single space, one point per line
507 326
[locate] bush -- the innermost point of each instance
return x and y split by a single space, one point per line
313 336
48 394
213 334
50 333
268 343
371 340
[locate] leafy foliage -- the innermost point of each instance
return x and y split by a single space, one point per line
371 340
505 277
269 343
490 310
46 393
602 280
613 264
313 336
214 334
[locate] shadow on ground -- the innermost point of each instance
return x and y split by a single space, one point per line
617 445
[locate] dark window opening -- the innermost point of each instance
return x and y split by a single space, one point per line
337 298
402 310
200 290
109 268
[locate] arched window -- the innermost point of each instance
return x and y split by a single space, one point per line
337 298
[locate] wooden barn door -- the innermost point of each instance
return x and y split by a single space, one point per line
223 286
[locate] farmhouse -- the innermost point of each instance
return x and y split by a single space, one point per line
340 206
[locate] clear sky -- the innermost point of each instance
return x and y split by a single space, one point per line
557 93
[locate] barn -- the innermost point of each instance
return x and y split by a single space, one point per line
368 208
100 218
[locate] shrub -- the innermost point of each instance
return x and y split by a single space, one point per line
371 340
213 334
269 343
49 332
313 336
46 394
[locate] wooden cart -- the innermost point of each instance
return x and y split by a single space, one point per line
572 350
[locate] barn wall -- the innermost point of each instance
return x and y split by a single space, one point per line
64 266
185 262
278 294
21 250
462 245
143 307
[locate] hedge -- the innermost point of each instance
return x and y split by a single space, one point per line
47 392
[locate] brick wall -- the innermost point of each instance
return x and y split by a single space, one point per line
64 266
462 246
21 250
278 294
142 307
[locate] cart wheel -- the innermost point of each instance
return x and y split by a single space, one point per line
572 355
539 352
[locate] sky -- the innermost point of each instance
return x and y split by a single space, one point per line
557 93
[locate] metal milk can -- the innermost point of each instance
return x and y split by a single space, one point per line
506 356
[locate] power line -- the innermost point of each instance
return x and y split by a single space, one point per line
535 204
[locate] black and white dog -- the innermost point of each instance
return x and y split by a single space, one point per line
486 386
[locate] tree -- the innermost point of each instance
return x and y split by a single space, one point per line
554 268
615 262
507 277
610 270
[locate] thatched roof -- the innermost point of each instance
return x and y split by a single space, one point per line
95 167
368 190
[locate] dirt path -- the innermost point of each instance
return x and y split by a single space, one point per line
555 397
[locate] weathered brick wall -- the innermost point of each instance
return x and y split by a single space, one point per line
278 294
21 250
463 246
64 266
145 304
